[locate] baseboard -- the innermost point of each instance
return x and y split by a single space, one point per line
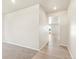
63 45
44 45
21 45
25 46
67 49
70 53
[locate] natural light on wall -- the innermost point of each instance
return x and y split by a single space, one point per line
73 30
50 20
50 36
46 28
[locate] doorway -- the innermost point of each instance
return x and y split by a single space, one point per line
54 31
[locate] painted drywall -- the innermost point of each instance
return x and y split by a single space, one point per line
27 27
22 27
64 26
43 34
72 18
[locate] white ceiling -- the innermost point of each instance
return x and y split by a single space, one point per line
13 5
48 5
55 5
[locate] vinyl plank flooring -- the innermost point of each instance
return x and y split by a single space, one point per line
10 51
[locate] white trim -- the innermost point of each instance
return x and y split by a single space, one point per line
70 53
21 45
62 44
44 45
27 47
68 50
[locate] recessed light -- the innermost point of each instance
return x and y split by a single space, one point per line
54 8
13 1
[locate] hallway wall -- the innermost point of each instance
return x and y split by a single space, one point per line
22 27
27 27
72 18
64 26
43 34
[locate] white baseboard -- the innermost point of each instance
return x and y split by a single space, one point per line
44 45
26 46
63 44
70 53
68 50
21 45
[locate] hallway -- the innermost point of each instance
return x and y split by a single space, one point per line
38 29
53 53
50 52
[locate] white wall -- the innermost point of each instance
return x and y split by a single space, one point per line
72 18
22 27
43 21
27 27
64 23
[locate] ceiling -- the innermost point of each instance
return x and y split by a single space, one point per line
55 5
48 5
13 5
